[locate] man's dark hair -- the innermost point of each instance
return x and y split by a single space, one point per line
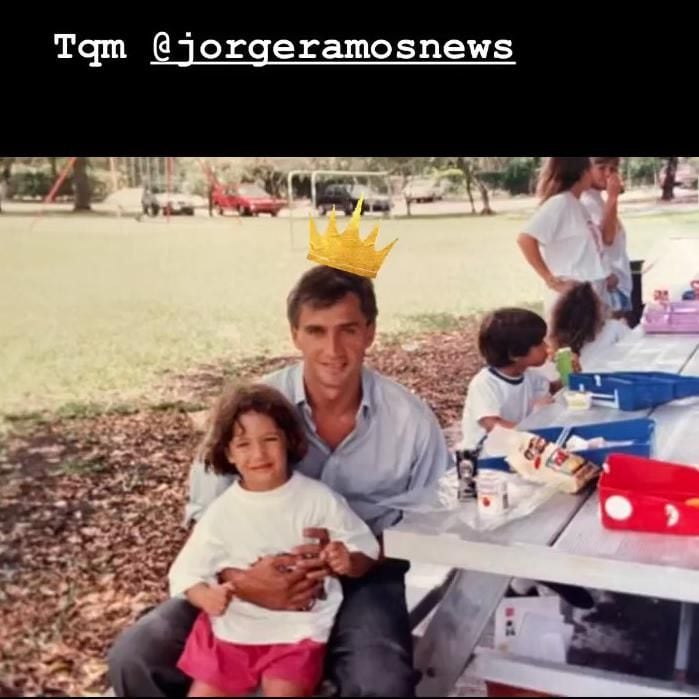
509 333
322 287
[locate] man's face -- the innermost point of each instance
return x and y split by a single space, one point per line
333 341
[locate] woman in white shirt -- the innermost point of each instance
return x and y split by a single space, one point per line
561 242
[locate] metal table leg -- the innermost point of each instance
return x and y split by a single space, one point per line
684 638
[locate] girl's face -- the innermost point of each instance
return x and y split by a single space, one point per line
258 450
587 178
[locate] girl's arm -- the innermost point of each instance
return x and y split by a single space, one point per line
532 254
212 599
341 561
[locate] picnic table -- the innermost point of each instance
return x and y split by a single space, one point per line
563 541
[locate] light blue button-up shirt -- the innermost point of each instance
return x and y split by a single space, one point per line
391 461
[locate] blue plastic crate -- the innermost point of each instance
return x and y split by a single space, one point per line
641 431
625 391
682 386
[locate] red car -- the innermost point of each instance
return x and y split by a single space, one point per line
247 200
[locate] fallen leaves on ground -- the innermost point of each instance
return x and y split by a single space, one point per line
91 513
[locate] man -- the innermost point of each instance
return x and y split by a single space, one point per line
371 440
605 177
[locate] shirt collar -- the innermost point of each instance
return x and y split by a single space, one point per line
368 402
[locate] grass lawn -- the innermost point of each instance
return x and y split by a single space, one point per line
97 308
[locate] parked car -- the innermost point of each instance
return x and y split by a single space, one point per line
156 198
345 197
422 189
247 200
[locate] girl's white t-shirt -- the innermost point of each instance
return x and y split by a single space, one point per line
571 244
241 526
595 352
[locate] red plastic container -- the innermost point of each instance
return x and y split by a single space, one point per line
649 496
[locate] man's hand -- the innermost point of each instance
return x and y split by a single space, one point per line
309 554
267 585
612 281
337 556
540 402
212 599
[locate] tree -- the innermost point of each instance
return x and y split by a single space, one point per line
668 183
273 180
470 169
81 185
5 171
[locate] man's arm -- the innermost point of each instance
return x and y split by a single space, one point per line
266 585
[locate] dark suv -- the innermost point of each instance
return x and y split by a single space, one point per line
345 197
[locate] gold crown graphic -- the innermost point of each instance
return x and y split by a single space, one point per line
346 250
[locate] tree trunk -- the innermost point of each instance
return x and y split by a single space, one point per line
54 170
81 185
486 210
5 178
470 193
669 179
466 169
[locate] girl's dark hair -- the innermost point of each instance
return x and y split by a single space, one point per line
577 317
559 175
237 400
509 333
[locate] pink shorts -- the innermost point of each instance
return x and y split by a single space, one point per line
238 668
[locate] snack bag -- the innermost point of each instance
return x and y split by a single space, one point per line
544 462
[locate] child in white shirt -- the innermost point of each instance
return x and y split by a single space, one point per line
234 646
512 342
579 321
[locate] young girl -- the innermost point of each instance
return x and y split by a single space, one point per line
579 321
235 646
561 242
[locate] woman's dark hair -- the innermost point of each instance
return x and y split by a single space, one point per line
237 400
322 286
559 175
509 333
577 317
